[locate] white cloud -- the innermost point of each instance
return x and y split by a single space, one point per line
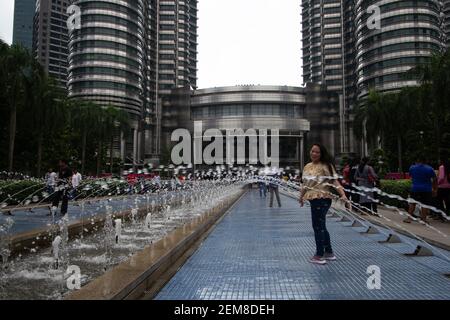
249 42
240 41
6 20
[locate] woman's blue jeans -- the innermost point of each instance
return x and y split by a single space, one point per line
262 189
319 209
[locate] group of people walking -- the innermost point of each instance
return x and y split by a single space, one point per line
63 185
270 184
361 174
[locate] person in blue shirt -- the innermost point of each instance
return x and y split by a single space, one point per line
424 184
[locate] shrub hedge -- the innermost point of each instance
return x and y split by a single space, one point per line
397 187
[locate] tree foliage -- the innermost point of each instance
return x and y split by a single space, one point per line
411 121
40 124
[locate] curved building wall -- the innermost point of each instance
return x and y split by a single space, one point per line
447 21
255 107
409 34
106 54
302 115
242 107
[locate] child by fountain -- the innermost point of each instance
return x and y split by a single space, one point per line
315 189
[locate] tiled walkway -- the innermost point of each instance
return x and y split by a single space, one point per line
260 253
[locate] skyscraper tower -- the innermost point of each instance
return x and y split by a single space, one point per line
177 44
50 38
343 53
328 41
323 43
129 54
446 8
107 62
409 34
23 22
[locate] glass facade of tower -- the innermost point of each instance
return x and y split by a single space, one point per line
447 22
50 38
106 54
409 34
131 53
177 44
322 43
341 53
23 22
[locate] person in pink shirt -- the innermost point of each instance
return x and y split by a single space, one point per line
444 187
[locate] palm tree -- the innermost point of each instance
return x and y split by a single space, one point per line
85 117
47 106
370 117
398 108
14 68
118 120
434 78
112 119
387 114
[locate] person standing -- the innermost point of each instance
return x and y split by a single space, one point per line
64 179
443 192
50 178
76 180
424 184
319 176
262 188
366 177
273 189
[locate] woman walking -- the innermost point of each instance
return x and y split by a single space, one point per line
317 177
444 187
365 176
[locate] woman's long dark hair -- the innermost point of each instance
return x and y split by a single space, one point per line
363 163
326 158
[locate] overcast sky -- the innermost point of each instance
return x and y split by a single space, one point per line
240 41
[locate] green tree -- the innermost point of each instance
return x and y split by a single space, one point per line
370 118
14 69
47 106
117 123
434 78
85 118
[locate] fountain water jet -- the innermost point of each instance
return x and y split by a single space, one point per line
118 229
